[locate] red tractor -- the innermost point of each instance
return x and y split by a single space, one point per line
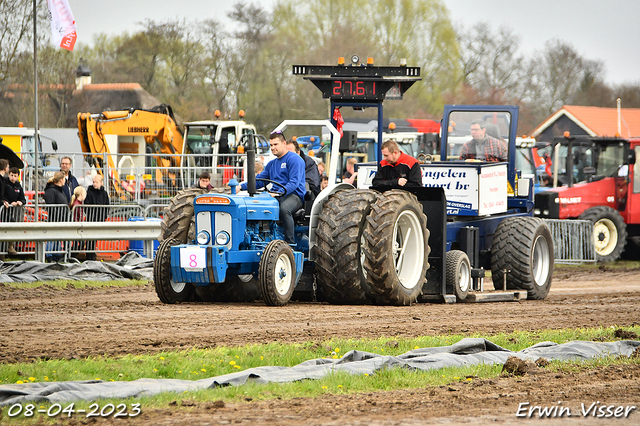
607 192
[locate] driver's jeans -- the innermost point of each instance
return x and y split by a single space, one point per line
289 205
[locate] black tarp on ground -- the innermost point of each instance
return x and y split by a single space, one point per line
130 266
470 351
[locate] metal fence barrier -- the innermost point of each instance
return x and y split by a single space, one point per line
572 240
59 247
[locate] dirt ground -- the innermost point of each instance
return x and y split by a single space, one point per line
75 323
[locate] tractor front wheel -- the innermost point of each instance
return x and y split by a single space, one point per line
167 290
277 273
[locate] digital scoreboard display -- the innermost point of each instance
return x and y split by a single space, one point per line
360 83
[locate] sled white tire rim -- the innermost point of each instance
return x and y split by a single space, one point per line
541 262
408 249
464 276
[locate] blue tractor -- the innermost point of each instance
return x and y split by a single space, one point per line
368 245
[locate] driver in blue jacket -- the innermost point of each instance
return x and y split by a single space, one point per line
288 170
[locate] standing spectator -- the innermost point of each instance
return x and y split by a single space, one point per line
4 169
96 196
321 168
54 195
53 192
14 197
77 213
79 194
70 182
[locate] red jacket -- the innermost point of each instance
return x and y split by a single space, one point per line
406 167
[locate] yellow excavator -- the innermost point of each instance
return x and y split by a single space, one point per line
118 137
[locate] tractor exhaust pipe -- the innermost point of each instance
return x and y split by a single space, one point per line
251 166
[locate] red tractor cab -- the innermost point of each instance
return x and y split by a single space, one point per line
600 184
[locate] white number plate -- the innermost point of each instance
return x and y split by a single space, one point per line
193 258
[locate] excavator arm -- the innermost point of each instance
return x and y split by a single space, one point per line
157 126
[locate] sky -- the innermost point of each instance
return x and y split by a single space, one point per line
603 30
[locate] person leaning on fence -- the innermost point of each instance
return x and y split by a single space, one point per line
14 197
70 182
204 182
96 196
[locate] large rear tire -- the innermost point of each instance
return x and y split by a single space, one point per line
339 254
396 249
277 273
609 232
167 290
524 247
179 221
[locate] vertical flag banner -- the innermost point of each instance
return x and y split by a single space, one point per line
63 25
337 117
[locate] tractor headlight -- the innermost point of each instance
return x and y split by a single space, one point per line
222 238
203 238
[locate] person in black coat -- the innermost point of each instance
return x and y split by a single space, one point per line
13 192
54 194
397 170
96 196
4 170
13 198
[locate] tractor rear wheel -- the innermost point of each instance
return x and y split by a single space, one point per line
523 246
339 254
167 290
179 221
277 273
458 273
609 232
396 249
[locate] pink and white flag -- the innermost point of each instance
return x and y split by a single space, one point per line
63 25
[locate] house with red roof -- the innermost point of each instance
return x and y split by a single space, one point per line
589 121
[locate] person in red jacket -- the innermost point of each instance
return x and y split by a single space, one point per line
397 170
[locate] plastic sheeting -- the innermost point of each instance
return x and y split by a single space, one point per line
130 266
464 353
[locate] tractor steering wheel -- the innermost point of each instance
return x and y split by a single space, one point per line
284 190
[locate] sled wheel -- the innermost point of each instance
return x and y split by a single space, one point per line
523 246
458 273
277 273
167 290
396 249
